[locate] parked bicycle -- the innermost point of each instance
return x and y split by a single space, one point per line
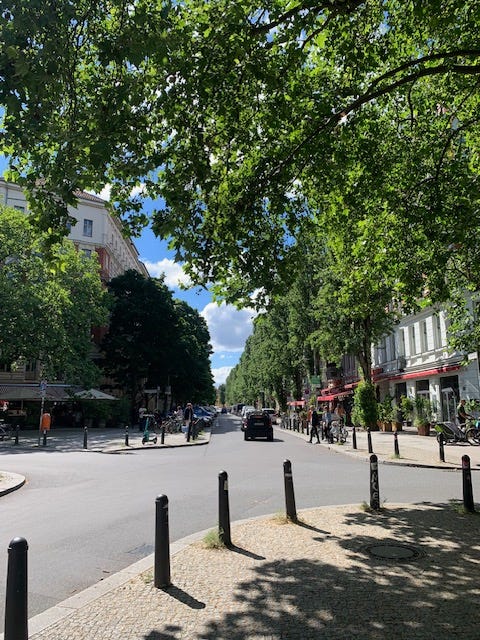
6 430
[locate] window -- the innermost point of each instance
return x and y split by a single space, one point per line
87 253
438 331
424 336
413 340
88 228
19 207
401 342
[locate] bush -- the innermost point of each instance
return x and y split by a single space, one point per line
364 412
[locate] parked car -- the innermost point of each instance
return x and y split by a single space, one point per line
258 425
272 413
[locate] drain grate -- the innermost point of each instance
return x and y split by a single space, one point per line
392 551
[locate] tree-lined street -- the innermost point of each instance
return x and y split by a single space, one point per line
86 514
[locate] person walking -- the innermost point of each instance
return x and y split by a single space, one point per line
315 422
189 417
462 414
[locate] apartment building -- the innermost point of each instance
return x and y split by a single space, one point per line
415 360
95 231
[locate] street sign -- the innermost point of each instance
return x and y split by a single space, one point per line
43 388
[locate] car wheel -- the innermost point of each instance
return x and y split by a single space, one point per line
270 437
245 437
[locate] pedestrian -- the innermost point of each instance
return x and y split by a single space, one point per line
315 422
188 416
462 414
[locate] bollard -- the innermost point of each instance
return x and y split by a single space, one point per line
44 439
162 437
85 437
374 489
223 510
354 437
16 599
126 435
441 447
467 485
289 493
17 431
308 428
162 544
395 444
189 430
369 440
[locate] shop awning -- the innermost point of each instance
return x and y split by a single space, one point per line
53 393
411 375
331 396
296 403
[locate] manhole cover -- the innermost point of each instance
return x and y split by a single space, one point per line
392 551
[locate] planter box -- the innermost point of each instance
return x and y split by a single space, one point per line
423 430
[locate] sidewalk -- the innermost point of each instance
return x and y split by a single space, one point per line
409 572
414 450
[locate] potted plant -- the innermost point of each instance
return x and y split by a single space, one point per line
423 415
407 407
386 413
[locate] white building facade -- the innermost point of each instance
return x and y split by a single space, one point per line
415 360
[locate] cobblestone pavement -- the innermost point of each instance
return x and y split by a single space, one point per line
407 572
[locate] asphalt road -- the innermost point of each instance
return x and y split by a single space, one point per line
86 515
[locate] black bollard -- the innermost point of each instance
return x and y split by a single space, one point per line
467 485
162 544
44 439
395 444
223 510
85 437
354 437
441 447
289 493
16 599
189 430
17 431
374 488
162 436
126 435
369 440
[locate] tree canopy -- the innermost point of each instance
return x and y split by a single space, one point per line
47 314
244 117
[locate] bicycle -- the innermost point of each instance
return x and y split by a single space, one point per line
338 432
6 431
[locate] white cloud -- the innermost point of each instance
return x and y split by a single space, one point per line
174 274
105 193
229 327
220 375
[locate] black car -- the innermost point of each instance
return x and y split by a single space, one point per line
258 425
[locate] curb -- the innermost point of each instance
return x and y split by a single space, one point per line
12 482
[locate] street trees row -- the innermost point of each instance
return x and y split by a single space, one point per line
342 134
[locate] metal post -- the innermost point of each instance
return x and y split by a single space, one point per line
223 510
126 435
467 485
395 444
17 431
189 430
369 440
374 488
85 437
16 598
354 437
289 493
162 437
44 443
162 544
441 447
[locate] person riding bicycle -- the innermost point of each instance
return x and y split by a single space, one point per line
462 414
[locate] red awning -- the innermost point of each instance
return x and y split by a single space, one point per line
331 396
296 403
419 374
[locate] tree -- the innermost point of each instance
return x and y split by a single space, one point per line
47 314
155 340
233 112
